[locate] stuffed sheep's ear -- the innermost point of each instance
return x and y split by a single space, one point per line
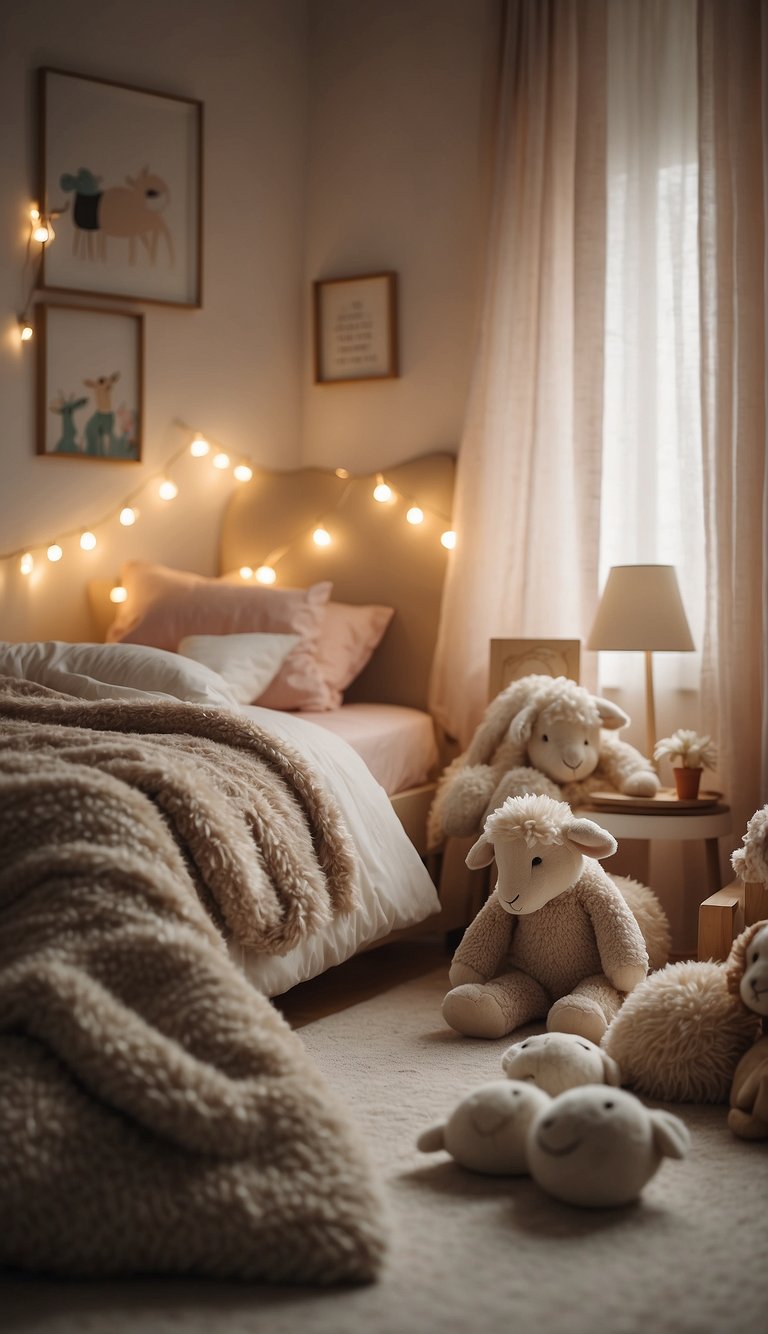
590 839
432 1138
611 716
611 1070
670 1135
480 854
522 725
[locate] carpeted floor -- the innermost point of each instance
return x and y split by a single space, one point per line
471 1253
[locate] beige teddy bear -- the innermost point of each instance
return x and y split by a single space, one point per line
557 939
544 735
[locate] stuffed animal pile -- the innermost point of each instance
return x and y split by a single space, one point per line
558 939
590 1143
544 735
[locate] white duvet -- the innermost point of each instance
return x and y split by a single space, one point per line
394 888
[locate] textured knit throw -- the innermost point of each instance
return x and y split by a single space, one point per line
156 1113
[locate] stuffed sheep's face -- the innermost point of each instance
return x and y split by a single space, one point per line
528 877
563 750
754 983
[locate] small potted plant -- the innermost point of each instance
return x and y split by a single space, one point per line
690 755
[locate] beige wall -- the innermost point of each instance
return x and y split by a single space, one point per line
339 137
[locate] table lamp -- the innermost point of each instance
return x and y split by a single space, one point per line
641 609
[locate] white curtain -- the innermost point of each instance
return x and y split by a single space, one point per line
527 504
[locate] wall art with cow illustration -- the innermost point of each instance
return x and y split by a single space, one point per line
90 383
122 167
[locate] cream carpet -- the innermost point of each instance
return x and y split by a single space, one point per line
469 1253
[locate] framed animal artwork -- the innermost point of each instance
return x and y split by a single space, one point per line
120 172
90 383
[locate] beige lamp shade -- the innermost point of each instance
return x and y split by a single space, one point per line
641 609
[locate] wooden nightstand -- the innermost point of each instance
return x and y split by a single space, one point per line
648 819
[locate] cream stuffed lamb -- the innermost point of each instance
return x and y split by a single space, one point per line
488 1129
545 735
557 939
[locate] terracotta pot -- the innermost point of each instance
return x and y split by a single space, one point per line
687 783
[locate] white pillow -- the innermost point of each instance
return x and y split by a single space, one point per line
114 671
246 662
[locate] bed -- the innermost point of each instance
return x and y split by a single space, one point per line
364 728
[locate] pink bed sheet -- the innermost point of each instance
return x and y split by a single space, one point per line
397 744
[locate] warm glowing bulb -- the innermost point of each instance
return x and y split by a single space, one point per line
167 490
246 572
448 539
118 593
41 233
382 492
127 516
26 564
87 541
199 447
54 552
221 461
34 213
321 537
415 515
25 331
243 473
266 575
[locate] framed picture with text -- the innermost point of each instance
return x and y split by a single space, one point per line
120 169
89 383
355 326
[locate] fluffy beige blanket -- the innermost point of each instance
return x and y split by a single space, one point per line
156 1112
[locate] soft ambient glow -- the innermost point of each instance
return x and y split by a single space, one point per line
167 490
243 473
266 575
342 473
87 541
246 572
448 539
127 516
221 461
321 537
382 491
54 552
415 515
26 564
118 593
199 447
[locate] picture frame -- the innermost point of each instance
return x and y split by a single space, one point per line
510 659
121 174
355 328
90 383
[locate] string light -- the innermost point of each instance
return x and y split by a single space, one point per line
118 593
266 573
25 329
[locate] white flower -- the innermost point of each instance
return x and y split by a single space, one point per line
687 749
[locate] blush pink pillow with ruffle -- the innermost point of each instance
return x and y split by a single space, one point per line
164 606
348 636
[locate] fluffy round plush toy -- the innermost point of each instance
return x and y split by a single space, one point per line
555 1062
488 1129
748 1117
543 735
556 939
598 1147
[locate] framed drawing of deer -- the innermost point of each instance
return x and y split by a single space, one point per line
90 383
120 176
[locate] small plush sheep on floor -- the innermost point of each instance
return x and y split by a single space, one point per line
488 1129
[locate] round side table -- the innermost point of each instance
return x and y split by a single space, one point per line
707 823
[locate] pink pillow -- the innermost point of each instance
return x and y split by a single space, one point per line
348 636
165 606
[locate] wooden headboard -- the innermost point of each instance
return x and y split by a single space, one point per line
375 555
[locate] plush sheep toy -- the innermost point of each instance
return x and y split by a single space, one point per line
555 1062
748 1117
488 1129
598 1147
544 735
557 937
